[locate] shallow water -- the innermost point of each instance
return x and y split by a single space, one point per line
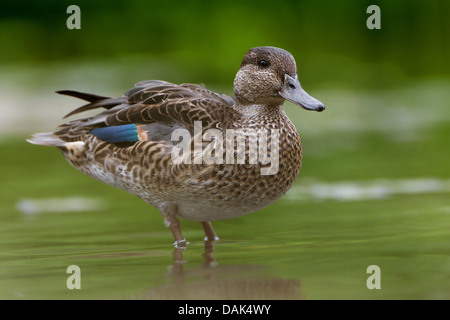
370 193
319 250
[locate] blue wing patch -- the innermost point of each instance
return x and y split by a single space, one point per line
124 133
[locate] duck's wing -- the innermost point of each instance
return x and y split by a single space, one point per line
151 110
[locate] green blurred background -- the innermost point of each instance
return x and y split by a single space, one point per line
375 183
205 39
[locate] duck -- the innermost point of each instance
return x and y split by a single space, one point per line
192 153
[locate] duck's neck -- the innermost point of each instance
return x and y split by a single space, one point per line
255 110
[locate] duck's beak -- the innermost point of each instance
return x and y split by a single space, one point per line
293 92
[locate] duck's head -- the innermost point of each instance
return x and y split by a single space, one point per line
268 76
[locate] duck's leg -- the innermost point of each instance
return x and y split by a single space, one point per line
180 241
210 235
168 211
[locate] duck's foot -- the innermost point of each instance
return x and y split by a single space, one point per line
181 244
210 235
209 239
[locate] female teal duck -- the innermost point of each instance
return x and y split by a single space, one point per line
136 143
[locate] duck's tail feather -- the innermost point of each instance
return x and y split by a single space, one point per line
95 101
82 95
47 139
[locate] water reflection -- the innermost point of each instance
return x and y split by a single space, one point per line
210 280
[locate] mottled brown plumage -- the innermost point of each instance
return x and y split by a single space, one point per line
198 191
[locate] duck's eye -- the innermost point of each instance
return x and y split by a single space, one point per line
263 64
